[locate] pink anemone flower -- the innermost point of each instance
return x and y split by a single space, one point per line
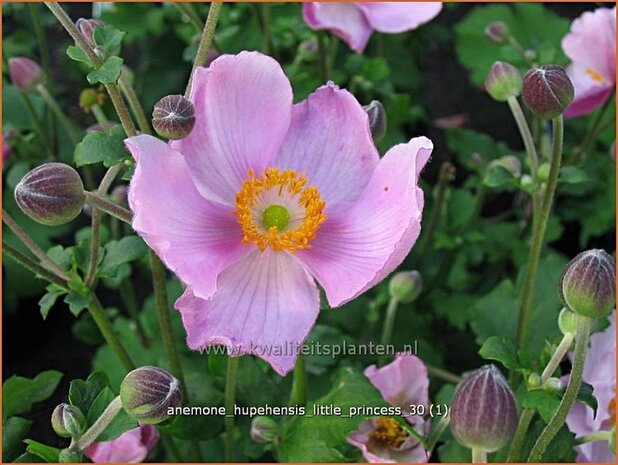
402 383
591 46
130 447
264 197
600 372
355 22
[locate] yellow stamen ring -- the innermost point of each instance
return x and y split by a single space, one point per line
288 183
389 433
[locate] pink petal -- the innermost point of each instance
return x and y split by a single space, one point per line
592 42
358 247
196 238
266 304
243 105
402 383
589 94
344 19
128 447
338 162
397 17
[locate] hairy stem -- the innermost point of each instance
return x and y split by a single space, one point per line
54 106
557 357
299 383
31 265
479 455
525 418
443 374
230 393
109 207
387 329
108 415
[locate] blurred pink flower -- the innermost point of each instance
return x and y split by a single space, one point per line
600 372
132 446
263 197
6 151
355 22
591 46
402 383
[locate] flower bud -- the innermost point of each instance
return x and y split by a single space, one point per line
497 32
88 98
588 284
377 119
527 183
554 385
263 430
406 286
503 81
68 421
25 74
69 456
120 194
87 27
543 172
51 194
483 410
173 117
547 91
534 381
146 394
567 321
530 55
510 163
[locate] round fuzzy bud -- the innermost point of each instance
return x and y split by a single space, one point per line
146 394
406 286
51 194
543 173
503 81
68 421
377 119
554 385
483 410
497 32
87 27
527 182
173 117
588 284
510 163
69 456
567 321
547 91
263 430
25 74
534 381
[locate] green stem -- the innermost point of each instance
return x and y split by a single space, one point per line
387 329
205 41
479 455
592 133
594 437
539 233
55 107
31 265
165 322
127 294
135 105
230 392
526 135
444 178
33 246
582 337
525 418
100 424
38 126
299 383
443 374
189 14
323 57
99 115
557 357
436 433
172 448
100 318
266 39
109 207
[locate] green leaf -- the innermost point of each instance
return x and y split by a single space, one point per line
498 176
96 147
585 396
47 453
47 302
77 302
109 38
319 438
107 73
83 393
452 452
19 393
14 431
77 54
125 250
546 403
469 145
573 175
502 350
121 422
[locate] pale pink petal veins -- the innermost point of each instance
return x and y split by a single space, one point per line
243 105
344 19
358 247
394 17
330 142
402 383
132 446
266 304
196 238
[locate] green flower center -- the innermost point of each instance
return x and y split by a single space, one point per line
275 215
